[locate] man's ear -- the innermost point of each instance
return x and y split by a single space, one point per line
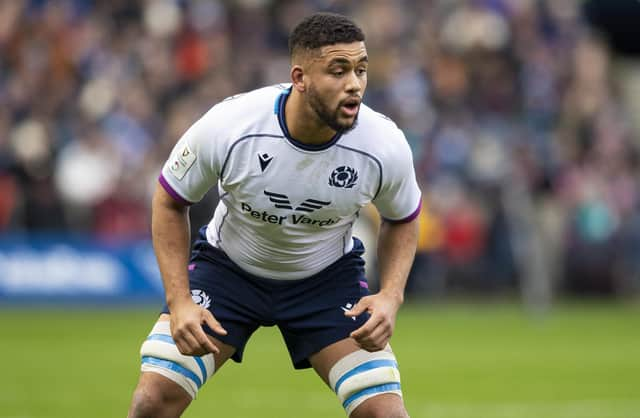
297 78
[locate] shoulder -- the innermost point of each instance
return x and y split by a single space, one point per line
245 108
378 135
375 125
241 114
371 117
254 98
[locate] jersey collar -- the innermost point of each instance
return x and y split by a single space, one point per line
279 110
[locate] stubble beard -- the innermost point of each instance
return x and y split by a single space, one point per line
325 114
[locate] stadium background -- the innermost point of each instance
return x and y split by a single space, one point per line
522 115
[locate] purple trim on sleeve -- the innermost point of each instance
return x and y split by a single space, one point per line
165 184
409 218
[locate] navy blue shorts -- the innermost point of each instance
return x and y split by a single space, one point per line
309 312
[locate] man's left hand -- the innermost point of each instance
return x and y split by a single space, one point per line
376 332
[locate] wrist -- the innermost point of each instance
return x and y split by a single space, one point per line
395 295
176 301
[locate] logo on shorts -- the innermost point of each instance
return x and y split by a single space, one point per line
347 308
201 298
343 177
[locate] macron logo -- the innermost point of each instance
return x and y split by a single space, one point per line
264 159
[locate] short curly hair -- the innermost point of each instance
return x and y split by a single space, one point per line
322 29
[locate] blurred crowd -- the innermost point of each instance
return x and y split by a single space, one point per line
519 114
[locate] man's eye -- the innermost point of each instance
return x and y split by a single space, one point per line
337 73
362 71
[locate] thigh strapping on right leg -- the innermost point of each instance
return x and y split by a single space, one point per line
160 355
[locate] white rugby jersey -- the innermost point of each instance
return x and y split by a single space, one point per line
286 208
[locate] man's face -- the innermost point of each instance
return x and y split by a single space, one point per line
337 81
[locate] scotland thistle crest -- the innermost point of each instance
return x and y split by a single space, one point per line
343 177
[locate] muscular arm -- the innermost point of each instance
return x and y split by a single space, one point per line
396 250
171 237
171 240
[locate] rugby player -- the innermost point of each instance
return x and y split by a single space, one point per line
294 164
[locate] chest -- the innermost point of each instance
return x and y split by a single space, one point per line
274 179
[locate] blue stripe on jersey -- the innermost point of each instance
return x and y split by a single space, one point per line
280 102
175 367
167 339
368 391
374 159
226 159
224 218
373 364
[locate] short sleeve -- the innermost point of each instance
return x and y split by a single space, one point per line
399 198
193 166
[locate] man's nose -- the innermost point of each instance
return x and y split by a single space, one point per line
353 83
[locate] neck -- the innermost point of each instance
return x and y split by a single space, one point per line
303 123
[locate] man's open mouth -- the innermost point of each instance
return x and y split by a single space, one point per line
350 106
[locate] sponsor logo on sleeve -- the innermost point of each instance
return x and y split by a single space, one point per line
181 162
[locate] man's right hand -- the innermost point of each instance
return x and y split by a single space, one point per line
187 319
